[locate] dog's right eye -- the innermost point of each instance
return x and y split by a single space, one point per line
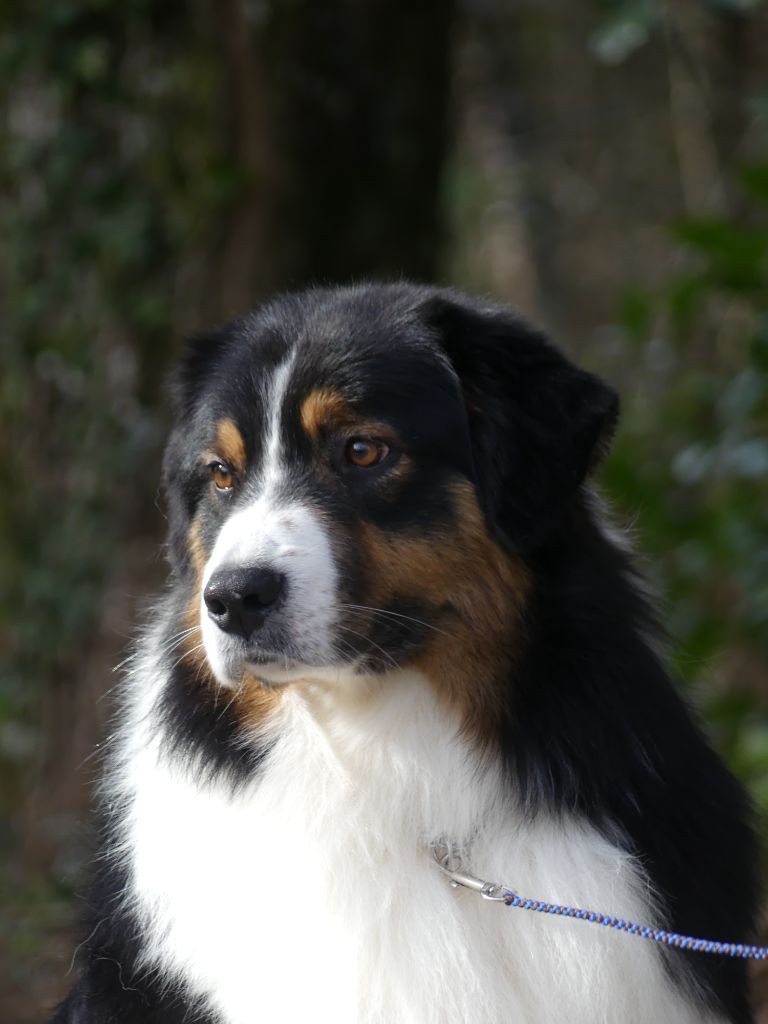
223 477
365 452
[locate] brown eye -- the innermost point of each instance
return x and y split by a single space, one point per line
223 477
364 453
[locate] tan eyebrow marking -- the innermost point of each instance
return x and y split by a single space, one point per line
229 445
325 409
322 408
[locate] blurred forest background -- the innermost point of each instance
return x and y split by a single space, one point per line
600 164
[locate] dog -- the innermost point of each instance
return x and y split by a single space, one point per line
400 632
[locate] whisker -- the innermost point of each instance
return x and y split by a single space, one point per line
181 632
186 654
173 642
347 650
179 644
397 615
371 643
235 694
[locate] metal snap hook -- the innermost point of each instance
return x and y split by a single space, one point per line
496 893
449 863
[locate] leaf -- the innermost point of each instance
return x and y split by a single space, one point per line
754 179
736 255
627 31
636 314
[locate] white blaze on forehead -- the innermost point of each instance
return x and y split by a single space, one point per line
274 393
277 532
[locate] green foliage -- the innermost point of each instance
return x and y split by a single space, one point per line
103 182
693 462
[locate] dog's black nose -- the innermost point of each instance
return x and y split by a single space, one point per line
239 600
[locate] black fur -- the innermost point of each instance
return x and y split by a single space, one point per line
527 465
112 988
591 725
594 727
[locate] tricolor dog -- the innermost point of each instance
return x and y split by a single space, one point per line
396 621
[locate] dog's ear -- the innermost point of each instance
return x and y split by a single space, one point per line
191 373
185 387
538 424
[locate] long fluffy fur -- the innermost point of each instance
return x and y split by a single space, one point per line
267 847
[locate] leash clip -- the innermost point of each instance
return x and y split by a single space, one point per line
449 862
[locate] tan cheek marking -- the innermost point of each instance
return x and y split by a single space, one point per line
230 445
252 701
323 408
255 702
486 589
195 655
196 550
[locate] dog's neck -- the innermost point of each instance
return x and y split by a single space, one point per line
388 749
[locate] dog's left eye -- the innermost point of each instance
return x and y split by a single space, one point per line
364 452
223 477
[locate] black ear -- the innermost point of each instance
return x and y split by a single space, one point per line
189 377
538 423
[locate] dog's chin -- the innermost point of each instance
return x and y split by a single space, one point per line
283 670
273 672
271 669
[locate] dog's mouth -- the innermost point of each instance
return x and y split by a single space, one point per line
279 671
262 657
271 667
275 660
276 668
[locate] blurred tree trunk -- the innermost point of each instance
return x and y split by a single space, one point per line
337 117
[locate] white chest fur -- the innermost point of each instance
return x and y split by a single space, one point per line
311 895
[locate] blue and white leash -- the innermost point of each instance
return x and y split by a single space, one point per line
450 864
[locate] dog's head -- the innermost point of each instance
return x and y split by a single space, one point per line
357 475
